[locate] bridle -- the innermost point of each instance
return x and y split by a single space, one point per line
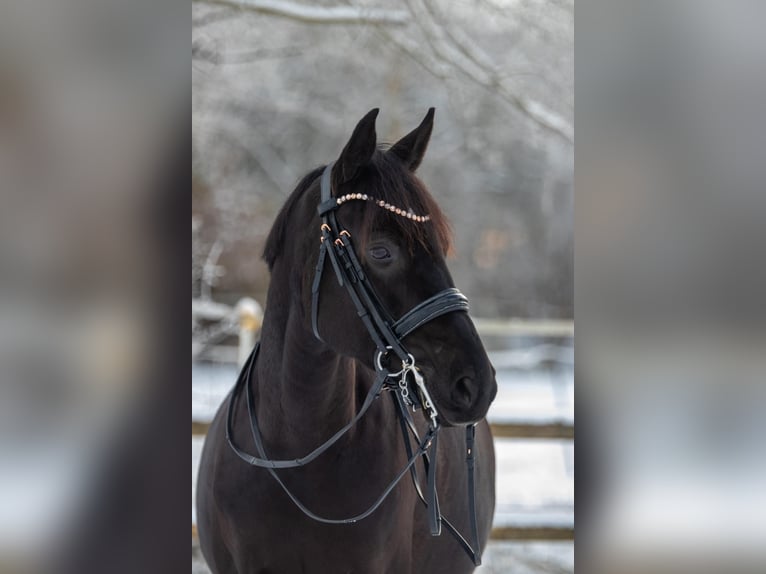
406 386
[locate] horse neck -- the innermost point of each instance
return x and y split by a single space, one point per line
304 388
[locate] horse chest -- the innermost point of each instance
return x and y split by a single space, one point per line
272 532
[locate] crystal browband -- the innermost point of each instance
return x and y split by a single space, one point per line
385 205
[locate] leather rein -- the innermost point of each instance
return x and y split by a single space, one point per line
406 386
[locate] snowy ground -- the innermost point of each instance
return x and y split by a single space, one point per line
499 558
534 481
535 477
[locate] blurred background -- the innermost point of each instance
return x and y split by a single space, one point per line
94 114
276 94
277 88
670 279
94 393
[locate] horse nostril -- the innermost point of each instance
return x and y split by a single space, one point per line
462 393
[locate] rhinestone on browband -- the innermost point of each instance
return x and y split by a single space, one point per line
385 205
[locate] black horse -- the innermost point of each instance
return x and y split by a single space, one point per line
316 363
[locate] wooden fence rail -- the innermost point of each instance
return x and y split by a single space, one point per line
249 316
552 430
508 533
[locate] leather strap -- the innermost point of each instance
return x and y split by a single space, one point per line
407 425
434 515
470 459
244 377
315 289
270 465
350 274
447 301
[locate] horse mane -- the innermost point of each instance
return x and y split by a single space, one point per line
276 236
387 179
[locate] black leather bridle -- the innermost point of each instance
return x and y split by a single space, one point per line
407 386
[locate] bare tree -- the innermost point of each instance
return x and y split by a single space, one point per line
316 14
278 85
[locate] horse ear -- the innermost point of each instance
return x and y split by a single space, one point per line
358 151
412 147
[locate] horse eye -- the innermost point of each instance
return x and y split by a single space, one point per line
380 253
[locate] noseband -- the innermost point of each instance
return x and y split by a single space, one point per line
407 385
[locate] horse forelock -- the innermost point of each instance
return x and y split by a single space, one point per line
384 178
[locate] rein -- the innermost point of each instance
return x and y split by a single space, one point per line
407 386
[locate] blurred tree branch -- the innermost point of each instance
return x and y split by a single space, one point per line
207 53
317 14
261 117
212 17
450 47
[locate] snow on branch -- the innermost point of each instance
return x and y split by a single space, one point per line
318 14
451 47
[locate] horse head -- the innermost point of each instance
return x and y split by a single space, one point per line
401 239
